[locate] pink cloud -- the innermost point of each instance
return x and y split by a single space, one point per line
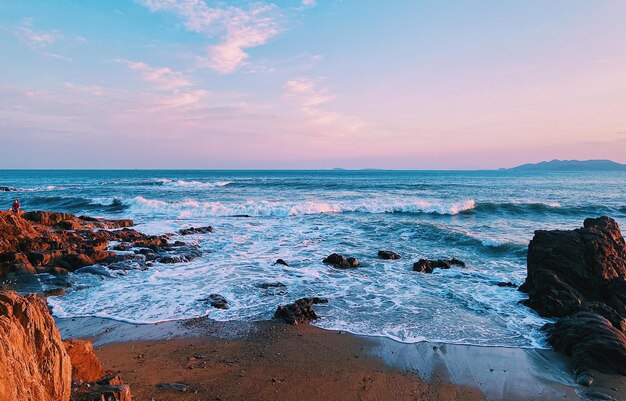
238 29
163 78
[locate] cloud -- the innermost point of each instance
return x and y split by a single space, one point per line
163 78
238 29
309 97
94 90
305 90
309 3
33 38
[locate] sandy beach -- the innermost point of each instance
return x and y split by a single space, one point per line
273 361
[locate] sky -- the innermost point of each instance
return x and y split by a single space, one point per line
308 84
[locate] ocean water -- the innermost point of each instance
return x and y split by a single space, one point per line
485 218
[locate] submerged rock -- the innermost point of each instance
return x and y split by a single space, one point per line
388 255
299 312
273 288
506 284
35 365
338 261
96 270
216 300
427 265
196 230
280 262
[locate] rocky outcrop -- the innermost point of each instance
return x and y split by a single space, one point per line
280 262
578 270
580 277
43 242
339 262
592 342
388 255
35 365
299 312
427 265
7 189
86 366
196 230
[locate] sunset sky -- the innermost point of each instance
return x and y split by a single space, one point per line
310 84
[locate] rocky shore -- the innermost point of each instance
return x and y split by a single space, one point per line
57 243
577 277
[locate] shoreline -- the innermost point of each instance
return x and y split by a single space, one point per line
440 371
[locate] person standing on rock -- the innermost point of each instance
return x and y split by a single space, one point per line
16 206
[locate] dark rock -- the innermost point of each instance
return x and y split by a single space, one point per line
182 387
128 265
592 342
299 312
388 255
506 284
183 254
273 288
122 246
579 276
280 262
578 270
457 262
216 301
7 189
196 230
338 261
427 265
95 270
265 286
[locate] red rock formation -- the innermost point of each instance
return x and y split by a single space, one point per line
36 242
86 366
34 363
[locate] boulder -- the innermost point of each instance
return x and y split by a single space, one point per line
216 300
299 312
388 255
109 388
86 366
427 265
592 342
578 270
579 276
338 261
196 230
280 262
35 365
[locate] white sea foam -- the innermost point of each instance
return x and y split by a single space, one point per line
191 184
193 208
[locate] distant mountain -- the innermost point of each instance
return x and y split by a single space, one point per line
572 165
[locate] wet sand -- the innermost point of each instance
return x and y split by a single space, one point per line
273 361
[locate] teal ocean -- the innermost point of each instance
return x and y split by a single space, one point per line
485 218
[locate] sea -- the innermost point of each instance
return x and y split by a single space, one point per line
485 218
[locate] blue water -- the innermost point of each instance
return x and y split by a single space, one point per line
485 218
